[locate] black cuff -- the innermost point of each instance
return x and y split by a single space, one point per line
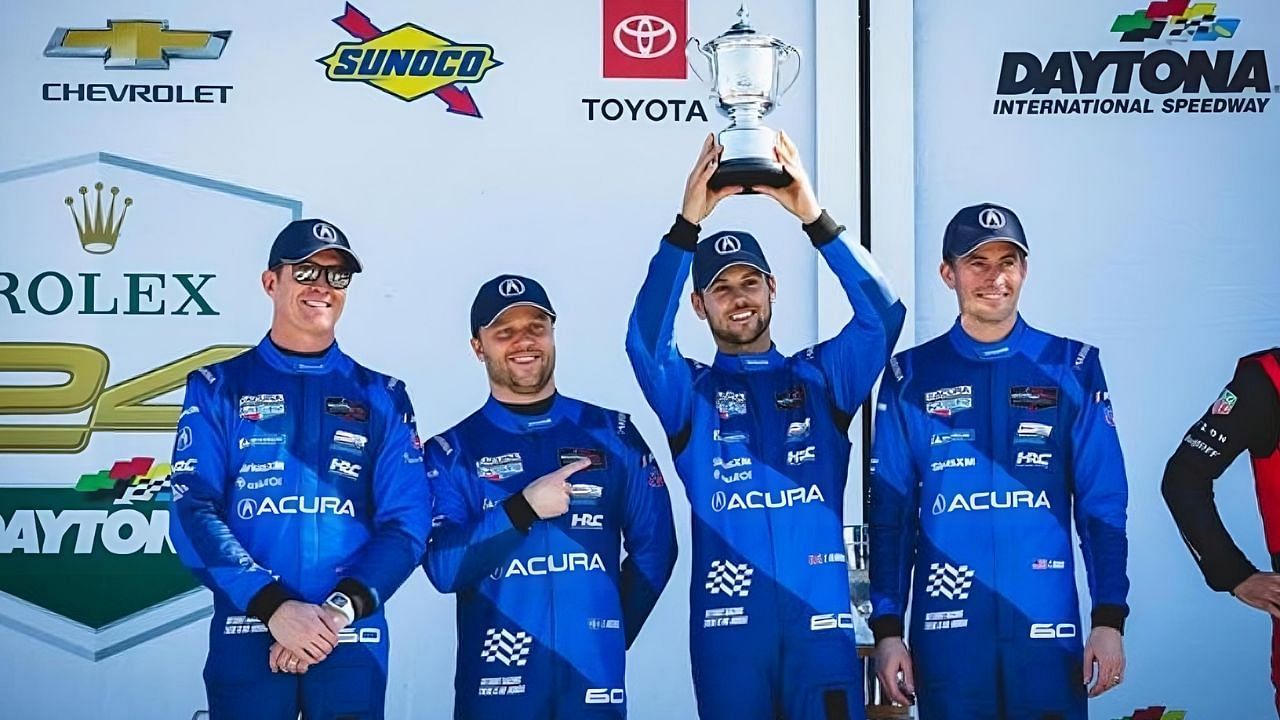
520 511
1111 616
362 599
683 234
886 626
268 600
1233 572
823 230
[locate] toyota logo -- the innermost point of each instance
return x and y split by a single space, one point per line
718 501
511 287
247 508
324 232
728 244
644 36
991 219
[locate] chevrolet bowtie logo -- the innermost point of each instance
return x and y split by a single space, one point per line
137 44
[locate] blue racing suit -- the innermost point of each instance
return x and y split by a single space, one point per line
294 476
983 453
547 608
760 443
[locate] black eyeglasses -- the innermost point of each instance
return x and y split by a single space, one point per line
308 273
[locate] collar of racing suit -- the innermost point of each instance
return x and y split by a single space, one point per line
331 360
561 409
750 362
974 350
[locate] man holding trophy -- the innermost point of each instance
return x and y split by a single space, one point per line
759 438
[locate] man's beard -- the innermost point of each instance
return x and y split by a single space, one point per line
744 336
529 383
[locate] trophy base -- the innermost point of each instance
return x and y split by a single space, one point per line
748 172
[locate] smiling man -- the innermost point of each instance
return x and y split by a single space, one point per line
299 499
537 496
987 440
760 442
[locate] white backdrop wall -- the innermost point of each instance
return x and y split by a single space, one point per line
1152 238
435 203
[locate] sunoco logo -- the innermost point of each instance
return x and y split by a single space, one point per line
409 62
1110 82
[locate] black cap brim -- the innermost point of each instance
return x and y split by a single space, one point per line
355 259
996 238
755 264
524 303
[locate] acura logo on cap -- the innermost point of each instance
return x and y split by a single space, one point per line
728 244
511 287
324 232
991 219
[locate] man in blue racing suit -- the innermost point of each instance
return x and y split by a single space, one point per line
301 501
760 441
537 494
988 440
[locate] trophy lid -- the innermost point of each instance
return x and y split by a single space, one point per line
743 26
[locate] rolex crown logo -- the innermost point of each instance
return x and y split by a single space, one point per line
98 235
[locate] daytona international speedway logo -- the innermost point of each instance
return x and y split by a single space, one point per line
1187 72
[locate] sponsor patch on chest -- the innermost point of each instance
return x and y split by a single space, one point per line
1033 397
945 402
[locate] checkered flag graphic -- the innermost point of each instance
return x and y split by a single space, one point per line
949 581
143 489
1183 30
728 578
506 647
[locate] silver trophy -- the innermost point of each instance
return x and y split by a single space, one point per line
744 68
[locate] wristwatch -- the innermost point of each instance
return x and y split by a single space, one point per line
340 602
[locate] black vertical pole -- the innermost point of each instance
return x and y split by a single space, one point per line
864 206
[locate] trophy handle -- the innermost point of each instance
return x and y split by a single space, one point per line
795 52
693 42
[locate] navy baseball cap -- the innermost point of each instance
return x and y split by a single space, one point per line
301 239
978 225
503 293
723 250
